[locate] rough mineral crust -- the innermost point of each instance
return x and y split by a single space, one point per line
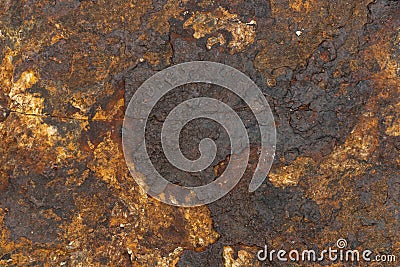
330 71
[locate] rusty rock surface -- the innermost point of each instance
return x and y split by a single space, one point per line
330 71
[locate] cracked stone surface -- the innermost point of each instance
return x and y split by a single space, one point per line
330 71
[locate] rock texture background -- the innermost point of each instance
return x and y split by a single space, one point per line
330 71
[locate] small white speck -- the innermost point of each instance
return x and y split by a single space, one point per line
252 22
51 130
141 59
298 33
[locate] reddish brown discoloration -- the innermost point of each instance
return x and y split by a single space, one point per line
69 68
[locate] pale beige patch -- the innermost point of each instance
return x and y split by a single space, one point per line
290 175
246 257
215 40
23 101
206 23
